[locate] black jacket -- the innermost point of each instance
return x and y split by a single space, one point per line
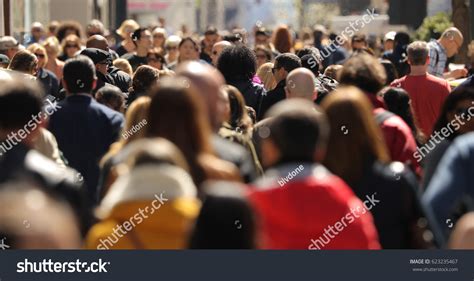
120 79
274 96
399 210
21 163
253 93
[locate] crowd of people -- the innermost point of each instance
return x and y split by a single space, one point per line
267 139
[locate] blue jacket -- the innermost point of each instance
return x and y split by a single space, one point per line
452 182
84 130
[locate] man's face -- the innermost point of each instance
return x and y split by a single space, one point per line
210 40
216 52
388 45
261 40
145 40
357 45
279 73
102 67
37 32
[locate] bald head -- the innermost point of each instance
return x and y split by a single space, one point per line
98 41
217 50
208 82
300 84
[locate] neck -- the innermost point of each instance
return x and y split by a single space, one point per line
142 52
417 70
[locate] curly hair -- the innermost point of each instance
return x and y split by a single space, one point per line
62 30
365 72
144 78
237 63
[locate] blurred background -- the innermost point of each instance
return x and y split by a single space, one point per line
423 18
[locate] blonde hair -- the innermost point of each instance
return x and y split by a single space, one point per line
127 24
35 47
53 43
265 74
123 65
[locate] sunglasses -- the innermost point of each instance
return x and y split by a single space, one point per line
41 56
72 46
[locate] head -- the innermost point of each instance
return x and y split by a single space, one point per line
4 61
95 27
123 65
418 54
296 132
52 46
282 39
53 223
40 52
172 45
9 46
310 59
177 94
300 84
136 113
37 31
462 235
217 50
208 82
127 28
188 49
389 41
20 99
365 72
237 115
98 41
142 39
159 37
263 55
79 75
264 72
319 34
226 219
452 40
68 28
25 62
355 137
262 37
237 63
458 104
100 58
284 64
401 39
155 59
111 97
71 45
333 71
359 41
145 78
211 37
53 28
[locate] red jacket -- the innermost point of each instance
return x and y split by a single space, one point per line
303 209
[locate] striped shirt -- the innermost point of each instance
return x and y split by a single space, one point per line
438 58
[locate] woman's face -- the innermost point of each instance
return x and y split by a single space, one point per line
158 40
463 115
187 51
155 61
261 58
71 48
41 55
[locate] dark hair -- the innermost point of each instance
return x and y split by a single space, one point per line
111 96
144 78
402 39
23 61
297 129
211 30
237 63
239 117
226 219
390 71
268 52
190 39
62 29
79 74
310 59
137 34
359 38
261 31
459 94
19 100
365 72
288 61
398 102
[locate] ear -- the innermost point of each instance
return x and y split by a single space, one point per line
270 153
287 92
427 60
94 83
